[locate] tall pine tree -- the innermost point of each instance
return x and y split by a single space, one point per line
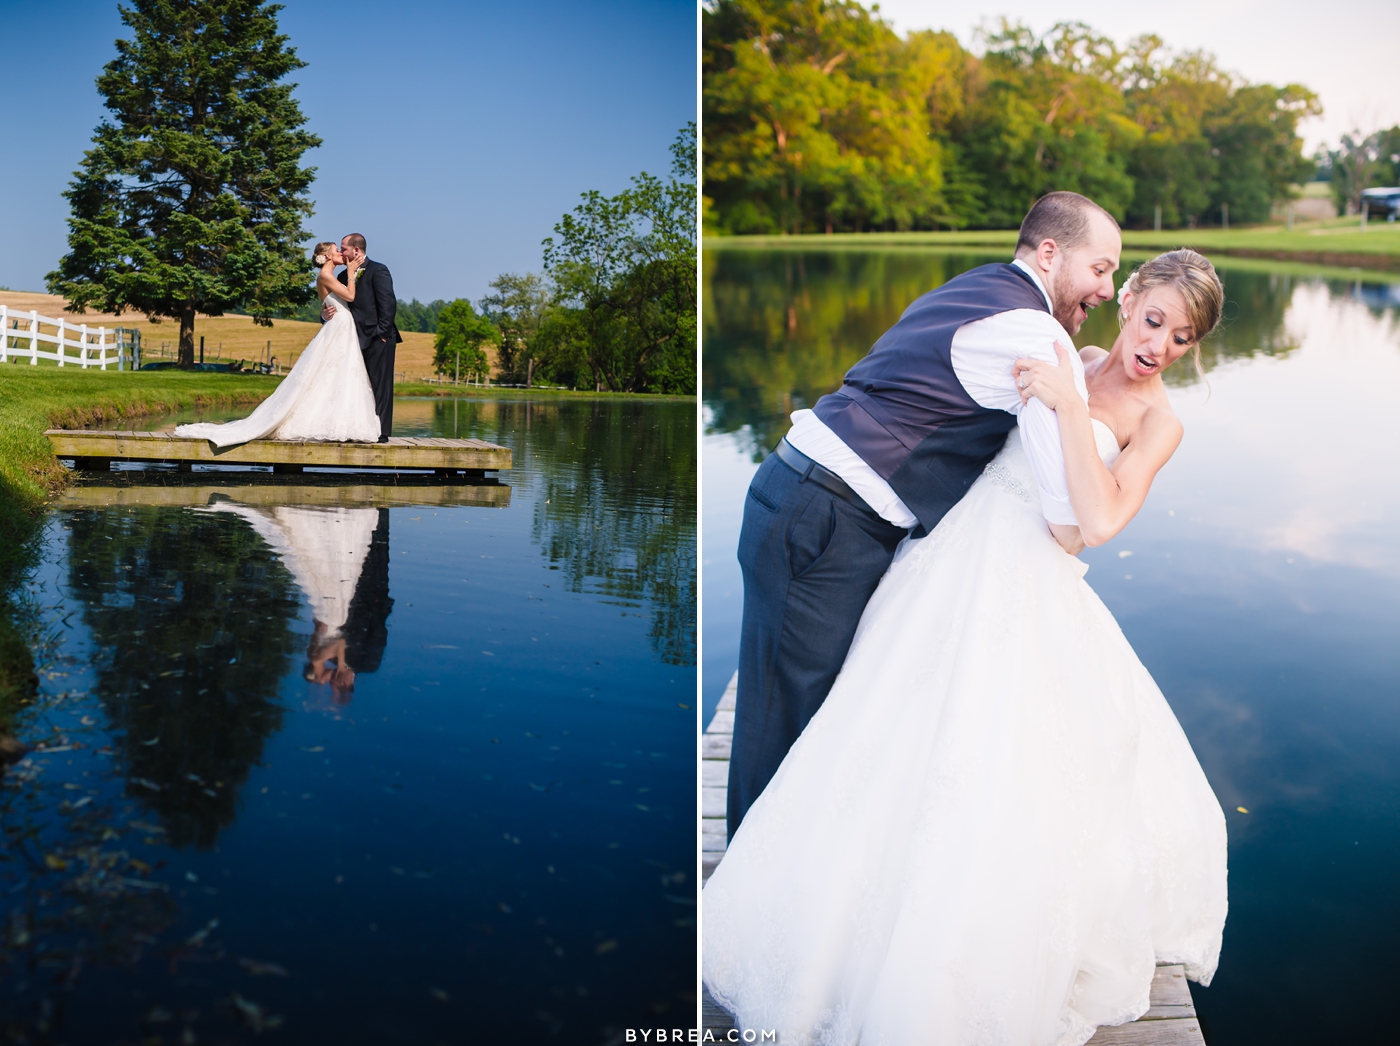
192 197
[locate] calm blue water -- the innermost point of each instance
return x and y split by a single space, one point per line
490 837
1258 584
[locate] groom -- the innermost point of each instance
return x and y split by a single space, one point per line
373 308
913 424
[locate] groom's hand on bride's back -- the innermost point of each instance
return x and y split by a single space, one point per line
327 311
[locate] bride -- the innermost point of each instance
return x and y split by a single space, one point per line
327 394
994 828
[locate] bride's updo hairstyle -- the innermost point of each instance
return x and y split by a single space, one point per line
1194 278
322 252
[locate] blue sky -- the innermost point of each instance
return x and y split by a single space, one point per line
455 134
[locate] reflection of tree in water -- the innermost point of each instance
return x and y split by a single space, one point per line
615 507
783 327
192 617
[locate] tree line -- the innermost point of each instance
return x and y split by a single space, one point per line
820 117
614 308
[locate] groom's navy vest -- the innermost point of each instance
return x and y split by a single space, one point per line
903 410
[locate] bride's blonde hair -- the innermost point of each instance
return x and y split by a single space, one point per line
1195 279
322 252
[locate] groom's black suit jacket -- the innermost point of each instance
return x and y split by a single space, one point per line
374 306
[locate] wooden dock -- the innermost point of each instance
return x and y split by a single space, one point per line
198 490
92 449
1171 1020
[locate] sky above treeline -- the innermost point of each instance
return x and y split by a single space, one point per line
1344 51
455 133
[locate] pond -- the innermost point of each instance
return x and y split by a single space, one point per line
365 760
1258 584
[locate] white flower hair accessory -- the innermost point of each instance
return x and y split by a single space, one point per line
320 259
1127 288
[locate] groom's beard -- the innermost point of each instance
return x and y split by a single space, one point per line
1070 310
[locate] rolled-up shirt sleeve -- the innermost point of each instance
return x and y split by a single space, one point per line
983 353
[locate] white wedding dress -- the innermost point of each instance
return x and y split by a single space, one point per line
994 827
324 549
326 396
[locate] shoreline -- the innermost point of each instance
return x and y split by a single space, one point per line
1342 247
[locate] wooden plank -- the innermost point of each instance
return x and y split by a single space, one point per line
269 492
712 801
712 834
713 1017
716 746
714 773
1170 987
398 452
709 861
1151 1033
722 723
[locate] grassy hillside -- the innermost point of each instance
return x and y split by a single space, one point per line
1336 242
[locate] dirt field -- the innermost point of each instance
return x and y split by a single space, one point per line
225 337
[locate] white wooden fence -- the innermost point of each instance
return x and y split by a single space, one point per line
68 344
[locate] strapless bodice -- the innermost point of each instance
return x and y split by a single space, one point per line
1106 442
336 300
1011 468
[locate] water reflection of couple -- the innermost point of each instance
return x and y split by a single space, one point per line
340 560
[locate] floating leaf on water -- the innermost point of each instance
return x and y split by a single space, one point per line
82 802
197 939
1241 809
505 907
538 788
606 946
254 1015
439 994
1124 554
152 741
142 826
683 705
140 866
644 809
87 720
159 1015
70 786
316 748
263 969
679 900
146 784
192 877
55 862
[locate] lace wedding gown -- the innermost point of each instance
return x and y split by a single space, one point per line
326 396
994 827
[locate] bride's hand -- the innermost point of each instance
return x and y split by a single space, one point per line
1052 384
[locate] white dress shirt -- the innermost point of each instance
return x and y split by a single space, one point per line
982 353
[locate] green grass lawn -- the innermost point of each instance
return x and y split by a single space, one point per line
33 399
1338 242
